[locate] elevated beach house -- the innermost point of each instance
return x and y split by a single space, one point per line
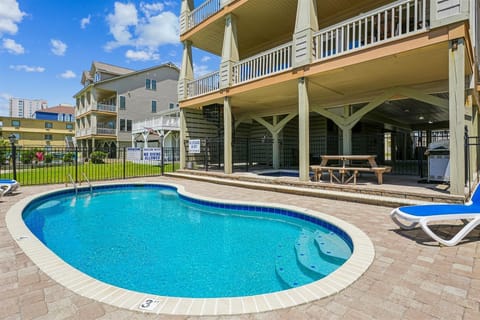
299 79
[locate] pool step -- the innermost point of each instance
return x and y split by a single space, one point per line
287 268
332 247
309 257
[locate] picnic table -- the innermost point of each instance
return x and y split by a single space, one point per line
347 168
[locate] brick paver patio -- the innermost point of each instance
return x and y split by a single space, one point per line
410 278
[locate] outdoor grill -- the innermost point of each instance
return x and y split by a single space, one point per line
438 161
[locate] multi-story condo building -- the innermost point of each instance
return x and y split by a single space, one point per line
304 78
113 98
25 108
39 133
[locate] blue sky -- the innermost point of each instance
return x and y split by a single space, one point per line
45 45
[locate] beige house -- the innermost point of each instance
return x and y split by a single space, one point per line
113 98
299 79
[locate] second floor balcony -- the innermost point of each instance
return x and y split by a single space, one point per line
169 122
398 20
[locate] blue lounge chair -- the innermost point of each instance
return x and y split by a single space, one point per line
8 186
422 215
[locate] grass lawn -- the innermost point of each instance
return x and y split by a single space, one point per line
50 174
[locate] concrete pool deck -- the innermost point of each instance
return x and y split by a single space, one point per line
411 276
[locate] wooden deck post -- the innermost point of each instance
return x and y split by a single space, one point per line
303 130
186 71
183 133
229 51
456 102
227 140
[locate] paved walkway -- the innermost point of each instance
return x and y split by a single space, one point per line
411 277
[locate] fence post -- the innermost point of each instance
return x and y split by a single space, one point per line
124 161
76 164
248 153
206 154
467 160
162 156
173 158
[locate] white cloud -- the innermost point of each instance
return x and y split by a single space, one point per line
205 58
201 70
84 22
23 67
68 74
151 8
13 47
58 47
145 29
120 23
10 16
141 55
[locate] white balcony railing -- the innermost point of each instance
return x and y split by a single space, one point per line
383 24
266 63
106 107
201 13
158 123
203 85
105 131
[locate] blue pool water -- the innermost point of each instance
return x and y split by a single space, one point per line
148 238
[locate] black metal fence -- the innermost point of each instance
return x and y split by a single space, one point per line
33 166
404 152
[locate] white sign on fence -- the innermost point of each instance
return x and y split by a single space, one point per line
152 154
134 154
194 146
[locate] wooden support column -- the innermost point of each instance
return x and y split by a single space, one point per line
183 134
347 133
229 51
276 145
227 140
456 89
303 130
185 9
186 71
306 23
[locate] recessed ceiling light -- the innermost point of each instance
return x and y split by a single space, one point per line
420 117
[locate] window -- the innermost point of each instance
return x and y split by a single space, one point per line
122 103
154 106
69 126
17 136
171 105
97 77
48 125
125 125
150 84
48 137
15 123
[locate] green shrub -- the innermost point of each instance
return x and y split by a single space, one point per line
98 157
68 157
48 158
27 156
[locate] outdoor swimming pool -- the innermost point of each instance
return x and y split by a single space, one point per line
149 239
236 228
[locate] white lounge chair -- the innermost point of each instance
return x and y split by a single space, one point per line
8 186
422 215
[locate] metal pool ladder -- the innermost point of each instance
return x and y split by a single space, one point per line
88 181
73 183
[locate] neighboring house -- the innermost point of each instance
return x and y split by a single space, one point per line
44 134
331 77
25 108
113 98
63 112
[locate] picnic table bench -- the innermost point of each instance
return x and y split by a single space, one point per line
346 172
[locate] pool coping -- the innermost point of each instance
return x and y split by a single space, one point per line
86 286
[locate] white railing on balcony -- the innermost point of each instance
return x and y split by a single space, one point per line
158 123
390 22
106 107
204 85
83 132
266 63
105 130
201 13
